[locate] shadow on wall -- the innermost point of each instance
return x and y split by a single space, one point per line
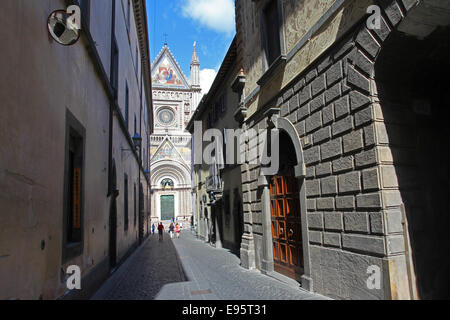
412 78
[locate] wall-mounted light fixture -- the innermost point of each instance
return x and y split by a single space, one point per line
137 140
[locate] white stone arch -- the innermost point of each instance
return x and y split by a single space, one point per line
179 173
175 170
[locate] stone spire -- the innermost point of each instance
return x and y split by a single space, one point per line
195 68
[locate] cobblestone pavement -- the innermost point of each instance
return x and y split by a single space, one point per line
189 269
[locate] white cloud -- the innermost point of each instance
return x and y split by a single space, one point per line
207 77
214 14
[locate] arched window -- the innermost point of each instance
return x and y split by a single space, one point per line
167 183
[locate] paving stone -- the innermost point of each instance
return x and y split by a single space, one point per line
189 269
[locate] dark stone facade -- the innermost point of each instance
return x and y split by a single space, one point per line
354 214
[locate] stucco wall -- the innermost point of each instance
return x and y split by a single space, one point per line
42 80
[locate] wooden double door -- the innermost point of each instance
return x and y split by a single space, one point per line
286 226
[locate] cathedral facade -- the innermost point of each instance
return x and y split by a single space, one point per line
174 101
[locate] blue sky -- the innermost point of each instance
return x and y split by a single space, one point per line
208 22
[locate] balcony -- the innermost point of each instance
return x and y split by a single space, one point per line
214 188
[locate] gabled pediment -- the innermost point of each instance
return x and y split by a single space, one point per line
166 73
167 150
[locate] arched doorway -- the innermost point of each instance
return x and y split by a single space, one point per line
286 215
283 203
113 219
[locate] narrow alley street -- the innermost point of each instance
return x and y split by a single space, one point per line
189 269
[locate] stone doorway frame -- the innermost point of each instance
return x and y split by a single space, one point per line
267 263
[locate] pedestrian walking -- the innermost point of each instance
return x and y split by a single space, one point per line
160 230
177 230
153 228
171 229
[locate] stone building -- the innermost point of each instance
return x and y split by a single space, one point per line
217 188
175 99
359 207
74 142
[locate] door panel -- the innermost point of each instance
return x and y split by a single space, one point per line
286 226
167 207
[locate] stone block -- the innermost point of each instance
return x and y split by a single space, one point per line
311 204
343 164
332 239
323 169
324 64
293 103
329 185
343 48
368 43
369 201
392 198
369 135
333 93
358 80
325 203
304 95
284 109
333 221
366 158
394 219
311 75
389 176
317 103
303 112
331 149
311 155
342 107
376 222
364 117
358 100
300 84
395 244
313 122
318 85
353 141
327 114
345 203
342 126
312 188
315 220
363 243
322 135
300 127
371 179
292 117
315 237
288 94
349 182
356 222
310 172
335 73
363 63
393 12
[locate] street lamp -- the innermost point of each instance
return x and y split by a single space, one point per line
137 140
